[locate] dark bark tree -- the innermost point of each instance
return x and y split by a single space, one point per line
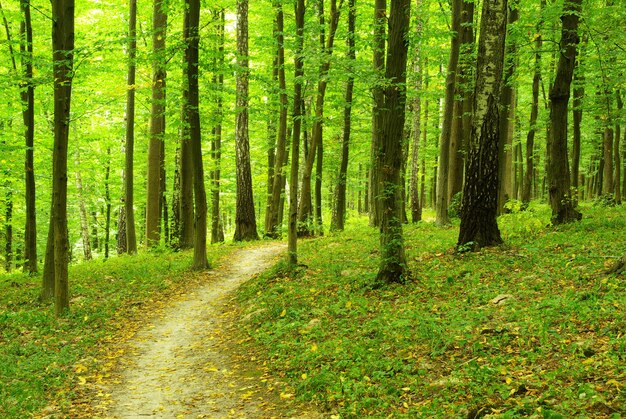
305 210
84 221
380 13
185 233
616 150
577 116
157 126
129 174
272 225
479 205
8 227
339 209
191 36
393 267
245 221
63 60
217 230
561 202
441 204
28 116
295 144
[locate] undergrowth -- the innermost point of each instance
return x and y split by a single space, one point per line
528 329
45 361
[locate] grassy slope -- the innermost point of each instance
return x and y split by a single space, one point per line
45 362
438 346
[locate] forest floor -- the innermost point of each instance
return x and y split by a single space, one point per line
181 362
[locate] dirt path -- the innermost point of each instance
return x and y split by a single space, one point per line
176 368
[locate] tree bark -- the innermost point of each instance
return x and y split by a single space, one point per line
157 126
217 229
577 115
63 58
84 221
339 212
479 206
245 221
186 197
393 266
129 188
441 204
107 198
292 257
8 227
563 210
616 151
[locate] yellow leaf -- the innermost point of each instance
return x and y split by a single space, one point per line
348 304
82 381
286 395
304 376
314 347
283 313
508 380
80 368
406 388
614 382
406 405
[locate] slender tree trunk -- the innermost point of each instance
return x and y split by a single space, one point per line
121 231
393 267
129 197
63 54
295 145
507 117
48 277
607 176
157 126
8 227
28 116
84 221
95 239
416 108
272 224
186 209
424 138
380 13
245 221
577 114
217 228
107 198
616 151
563 210
339 212
441 205
479 206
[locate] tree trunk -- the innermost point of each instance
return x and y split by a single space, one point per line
84 221
416 111
48 277
295 145
577 114
186 209
441 204
8 227
563 210
157 126
217 228
607 176
129 198
63 57
192 37
339 212
272 225
107 198
380 13
28 116
479 206
121 231
305 210
616 151
245 221
393 267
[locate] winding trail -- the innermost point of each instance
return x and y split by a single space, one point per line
175 367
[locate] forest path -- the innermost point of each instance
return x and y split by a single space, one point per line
177 366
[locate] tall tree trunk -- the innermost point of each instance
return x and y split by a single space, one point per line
607 175
380 13
616 151
63 58
424 138
107 198
8 227
28 116
507 117
129 188
157 125
245 221
121 231
339 209
577 114
563 210
186 197
441 205
305 210
393 266
479 206
192 38
416 112
217 228
84 221
272 225
295 145
48 278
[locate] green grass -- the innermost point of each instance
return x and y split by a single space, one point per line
438 346
44 360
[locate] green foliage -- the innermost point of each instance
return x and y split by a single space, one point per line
606 200
440 346
454 209
43 356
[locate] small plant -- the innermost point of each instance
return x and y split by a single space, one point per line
454 209
605 201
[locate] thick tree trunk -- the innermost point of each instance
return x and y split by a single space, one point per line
577 115
339 211
393 267
157 126
441 204
272 224
63 54
416 111
217 228
479 206
245 221
28 116
129 188
121 231
292 257
561 202
48 277
186 209
380 13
